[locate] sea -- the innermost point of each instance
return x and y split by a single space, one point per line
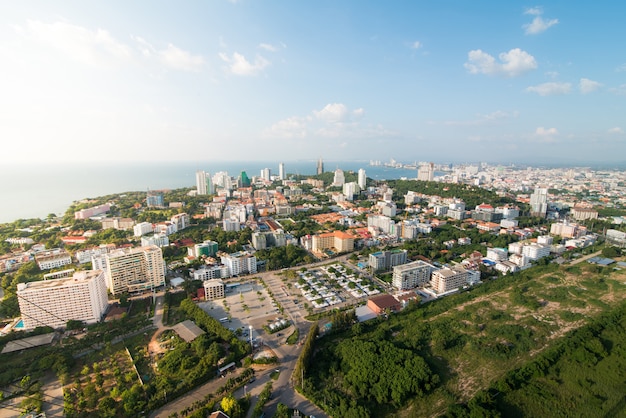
37 190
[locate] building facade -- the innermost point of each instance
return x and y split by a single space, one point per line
214 289
447 279
134 269
82 297
412 275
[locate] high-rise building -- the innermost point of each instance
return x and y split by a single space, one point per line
281 171
350 189
201 182
339 178
426 172
134 269
204 184
320 166
448 279
412 275
266 174
82 297
154 199
539 202
362 179
244 180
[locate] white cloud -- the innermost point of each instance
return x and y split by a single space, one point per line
552 74
512 64
96 48
335 120
538 25
332 112
620 91
616 130
545 135
179 59
268 47
416 45
621 68
588 86
534 11
490 118
550 89
239 65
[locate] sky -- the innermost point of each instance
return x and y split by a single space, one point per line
496 81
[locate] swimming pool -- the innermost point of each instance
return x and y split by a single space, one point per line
19 325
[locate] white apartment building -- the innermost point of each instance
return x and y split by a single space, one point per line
231 225
85 256
362 179
143 228
51 259
384 223
214 289
412 275
82 297
339 179
350 189
160 240
134 269
497 254
211 272
545 240
181 220
239 263
447 279
536 251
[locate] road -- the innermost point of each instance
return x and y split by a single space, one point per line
585 258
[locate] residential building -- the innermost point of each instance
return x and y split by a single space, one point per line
567 230
239 263
583 214
385 260
160 240
383 223
281 171
93 211
534 251
213 271
339 178
497 254
181 220
231 225
426 172
412 275
134 269
539 202
121 224
154 199
338 240
448 279
350 189
82 297
204 184
206 248
362 179
53 258
143 228
214 289
320 166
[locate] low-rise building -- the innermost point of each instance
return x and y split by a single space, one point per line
214 289
53 258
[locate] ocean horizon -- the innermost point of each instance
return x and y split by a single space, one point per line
36 190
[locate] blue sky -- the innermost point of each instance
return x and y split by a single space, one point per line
288 80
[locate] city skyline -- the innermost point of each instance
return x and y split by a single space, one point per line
486 81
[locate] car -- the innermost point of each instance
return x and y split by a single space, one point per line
280 334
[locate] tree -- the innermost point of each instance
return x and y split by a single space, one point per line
229 404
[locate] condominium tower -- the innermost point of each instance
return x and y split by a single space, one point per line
134 269
82 297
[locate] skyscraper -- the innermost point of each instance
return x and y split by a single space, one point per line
362 180
426 172
244 180
320 166
266 174
203 183
339 178
539 202
281 171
